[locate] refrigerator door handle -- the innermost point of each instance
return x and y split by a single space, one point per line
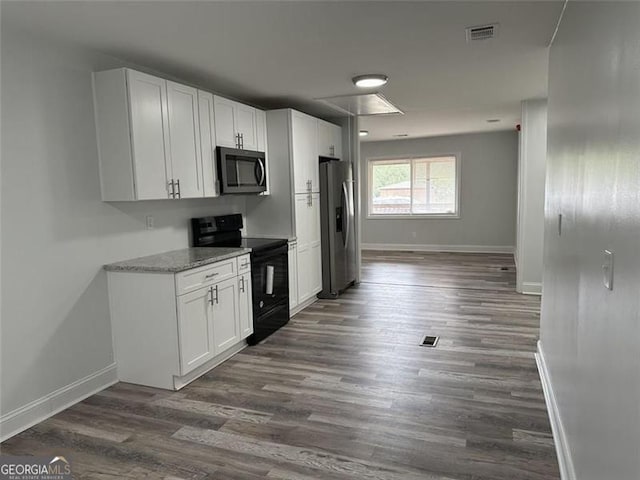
346 213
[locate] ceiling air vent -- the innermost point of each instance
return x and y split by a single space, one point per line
482 32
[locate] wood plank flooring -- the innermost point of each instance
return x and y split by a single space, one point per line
343 392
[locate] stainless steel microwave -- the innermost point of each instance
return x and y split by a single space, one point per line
241 171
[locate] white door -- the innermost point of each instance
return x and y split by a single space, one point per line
245 118
324 138
315 245
208 144
245 305
224 119
336 140
305 152
149 135
226 327
261 131
303 254
293 276
195 335
184 139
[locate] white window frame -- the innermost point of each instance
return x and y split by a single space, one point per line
414 216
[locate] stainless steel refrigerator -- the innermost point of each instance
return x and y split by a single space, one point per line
337 221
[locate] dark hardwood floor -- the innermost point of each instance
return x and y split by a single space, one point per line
343 391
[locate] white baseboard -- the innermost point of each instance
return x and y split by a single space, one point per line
567 472
531 288
39 410
404 247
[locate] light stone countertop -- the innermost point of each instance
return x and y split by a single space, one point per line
177 260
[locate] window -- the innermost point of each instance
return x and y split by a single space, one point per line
424 186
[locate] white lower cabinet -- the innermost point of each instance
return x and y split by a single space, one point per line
308 248
226 314
195 333
293 275
167 333
245 306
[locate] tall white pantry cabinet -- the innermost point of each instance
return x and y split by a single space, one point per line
293 208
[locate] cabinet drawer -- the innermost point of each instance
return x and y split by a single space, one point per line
244 264
191 280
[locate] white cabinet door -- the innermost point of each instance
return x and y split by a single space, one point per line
304 133
261 131
261 146
149 135
226 315
225 122
195 333
184 140
329 139
245 305
324 138
315 245
208 144
293 275
245 126
336 140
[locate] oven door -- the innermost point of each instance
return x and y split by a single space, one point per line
241 171
269 279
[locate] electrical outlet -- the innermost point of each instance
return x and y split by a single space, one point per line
607 269
149 222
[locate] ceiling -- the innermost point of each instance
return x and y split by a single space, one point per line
276 54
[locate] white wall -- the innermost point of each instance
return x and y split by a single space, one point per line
56 233
532 158
487 195
590 336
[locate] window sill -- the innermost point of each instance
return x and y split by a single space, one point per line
432 216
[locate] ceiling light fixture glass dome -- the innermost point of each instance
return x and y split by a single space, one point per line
370 80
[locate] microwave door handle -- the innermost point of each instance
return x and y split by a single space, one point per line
262 172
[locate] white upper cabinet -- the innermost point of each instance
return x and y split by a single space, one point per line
306 170
133 135
184 136
329 140
208 144
236 124
246 126
261 131
224 111
151 142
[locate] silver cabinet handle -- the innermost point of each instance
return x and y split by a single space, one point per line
242 284
178 185
216 290
242 140
237 140
210 295
245 264
211 275
172 192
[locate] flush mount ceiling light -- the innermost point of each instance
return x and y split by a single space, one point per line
371 80
363 133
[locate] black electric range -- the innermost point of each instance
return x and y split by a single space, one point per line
269 269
